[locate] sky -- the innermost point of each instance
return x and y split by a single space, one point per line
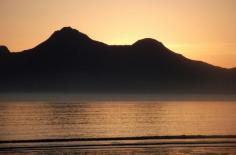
199 29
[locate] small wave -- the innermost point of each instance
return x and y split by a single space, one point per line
122 138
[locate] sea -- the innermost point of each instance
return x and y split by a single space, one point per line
110 126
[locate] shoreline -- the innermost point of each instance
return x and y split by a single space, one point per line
76 97
124 147
145 141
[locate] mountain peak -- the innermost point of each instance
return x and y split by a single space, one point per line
68 30
147 42
68 33
64 41
4 50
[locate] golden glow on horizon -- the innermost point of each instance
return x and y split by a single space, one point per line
198 29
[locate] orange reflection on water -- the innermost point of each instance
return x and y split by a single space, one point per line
42 120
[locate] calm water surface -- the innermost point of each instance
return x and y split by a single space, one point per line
46 120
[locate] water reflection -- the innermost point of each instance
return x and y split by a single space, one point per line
43 120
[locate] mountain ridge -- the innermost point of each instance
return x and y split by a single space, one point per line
71 61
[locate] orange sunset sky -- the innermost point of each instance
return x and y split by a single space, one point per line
199 29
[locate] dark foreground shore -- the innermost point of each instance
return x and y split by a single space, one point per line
140 150
164 145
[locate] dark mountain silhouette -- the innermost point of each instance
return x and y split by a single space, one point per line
4 51
71 61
